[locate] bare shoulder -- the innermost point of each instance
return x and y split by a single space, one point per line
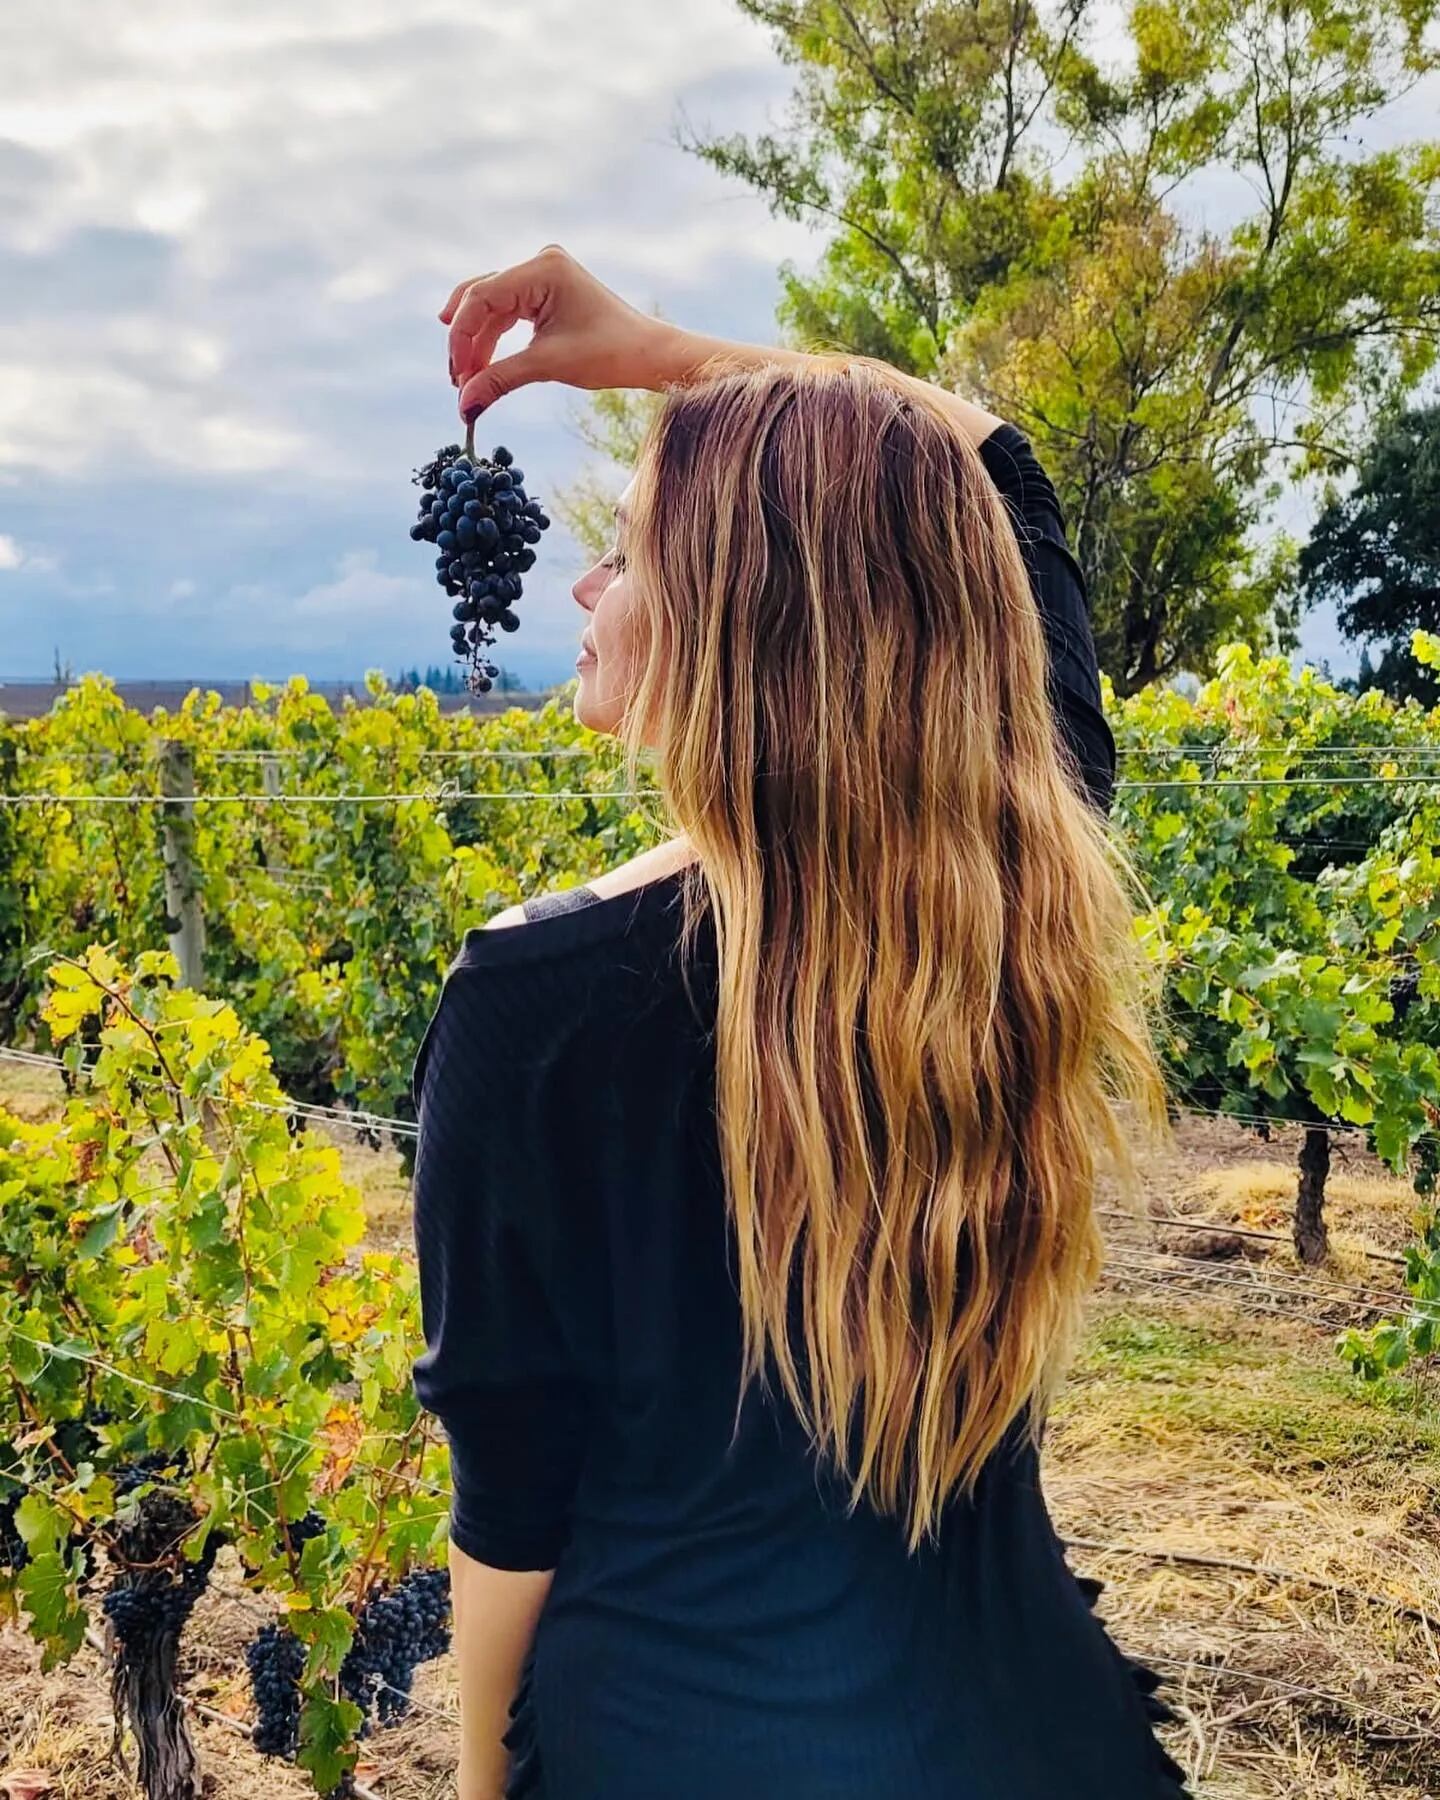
512 915
649 865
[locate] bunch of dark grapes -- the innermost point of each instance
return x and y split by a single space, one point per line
276 1659
300 1531
14 1552
156 1586
1404 991
149 1466
396 1630
475 510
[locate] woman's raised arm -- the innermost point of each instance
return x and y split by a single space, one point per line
586 336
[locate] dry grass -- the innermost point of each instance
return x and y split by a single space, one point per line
1207 1413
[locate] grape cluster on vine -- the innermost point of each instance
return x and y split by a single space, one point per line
156 1585
14 1553
475 510
396 1630
299 1532
276 1660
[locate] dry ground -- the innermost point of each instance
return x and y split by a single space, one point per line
1208 1418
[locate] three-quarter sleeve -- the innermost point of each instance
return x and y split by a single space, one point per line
1059 589
498 1370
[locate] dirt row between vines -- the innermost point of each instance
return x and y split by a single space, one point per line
1268 1531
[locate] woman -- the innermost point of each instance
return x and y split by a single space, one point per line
754 1194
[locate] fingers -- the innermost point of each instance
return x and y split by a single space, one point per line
448 309
498 379
483 310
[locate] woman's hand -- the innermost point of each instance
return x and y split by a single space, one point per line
585 335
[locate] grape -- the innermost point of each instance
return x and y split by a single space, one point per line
475 510
276 1660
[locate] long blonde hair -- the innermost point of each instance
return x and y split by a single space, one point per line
933 1013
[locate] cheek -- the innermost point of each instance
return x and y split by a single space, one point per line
612 624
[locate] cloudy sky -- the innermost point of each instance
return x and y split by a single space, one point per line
225 231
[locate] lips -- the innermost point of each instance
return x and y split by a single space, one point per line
587 649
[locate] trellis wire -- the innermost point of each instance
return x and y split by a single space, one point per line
92 1359
1199 1559
439 796
355 1120
1373 1299
1230 1672
1215 1228
327 752
380 1121
1308 1285
1246 1295
433 796
1278 1286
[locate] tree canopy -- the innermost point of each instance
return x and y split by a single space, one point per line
1010 212
1375 552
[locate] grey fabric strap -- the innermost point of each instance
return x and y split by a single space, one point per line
543 906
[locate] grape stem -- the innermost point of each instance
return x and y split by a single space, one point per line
470 440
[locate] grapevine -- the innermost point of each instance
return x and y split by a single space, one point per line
150 1599
186 1301
232 1367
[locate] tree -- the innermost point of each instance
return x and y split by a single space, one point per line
612 424
1375 551
1004 213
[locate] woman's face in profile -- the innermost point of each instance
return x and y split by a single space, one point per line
606 666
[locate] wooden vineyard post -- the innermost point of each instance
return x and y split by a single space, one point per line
184 917
1312 1238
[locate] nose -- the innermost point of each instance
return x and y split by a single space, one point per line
587 589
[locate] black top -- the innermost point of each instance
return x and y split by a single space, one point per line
717 1628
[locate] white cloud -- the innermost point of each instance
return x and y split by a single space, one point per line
260 168
359 594
17 556
182 589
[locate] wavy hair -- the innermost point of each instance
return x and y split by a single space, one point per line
934 1022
